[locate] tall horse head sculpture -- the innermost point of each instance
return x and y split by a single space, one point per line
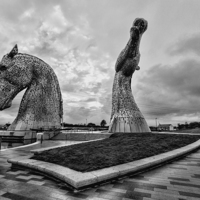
126 116
41 105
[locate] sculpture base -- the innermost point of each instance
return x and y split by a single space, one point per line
128 125
17 126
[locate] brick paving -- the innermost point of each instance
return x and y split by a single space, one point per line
179 180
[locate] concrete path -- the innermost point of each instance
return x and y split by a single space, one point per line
175 181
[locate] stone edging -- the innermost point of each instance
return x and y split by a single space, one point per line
79 179
20 147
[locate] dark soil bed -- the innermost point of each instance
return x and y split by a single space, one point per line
118 149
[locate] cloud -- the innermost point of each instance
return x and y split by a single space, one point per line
10 111
70 87
106 101
77 113
67 44
81 44
170 90
91 99
9 114
190 44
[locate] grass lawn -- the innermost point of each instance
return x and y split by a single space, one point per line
118 149
195 130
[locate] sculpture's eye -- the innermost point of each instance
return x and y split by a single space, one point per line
2 67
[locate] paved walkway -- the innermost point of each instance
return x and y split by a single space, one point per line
175 181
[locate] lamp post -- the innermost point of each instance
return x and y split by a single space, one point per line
156 123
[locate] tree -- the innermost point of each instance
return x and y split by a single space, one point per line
103 122
7 125
186 125
91 124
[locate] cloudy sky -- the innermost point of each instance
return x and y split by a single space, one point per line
81 40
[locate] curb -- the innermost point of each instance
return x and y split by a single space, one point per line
79 180
21 147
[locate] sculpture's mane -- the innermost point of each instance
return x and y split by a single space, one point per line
28 55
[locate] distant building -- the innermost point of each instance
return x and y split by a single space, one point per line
165 127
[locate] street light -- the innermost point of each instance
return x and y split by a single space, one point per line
156 123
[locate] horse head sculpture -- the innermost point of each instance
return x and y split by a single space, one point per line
41 105
125 115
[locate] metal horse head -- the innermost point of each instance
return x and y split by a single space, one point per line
41 105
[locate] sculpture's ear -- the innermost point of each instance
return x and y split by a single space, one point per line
137 68
13 52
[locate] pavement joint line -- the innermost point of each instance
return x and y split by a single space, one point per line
79 180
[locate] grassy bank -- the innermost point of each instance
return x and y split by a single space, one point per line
118 149
195 130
